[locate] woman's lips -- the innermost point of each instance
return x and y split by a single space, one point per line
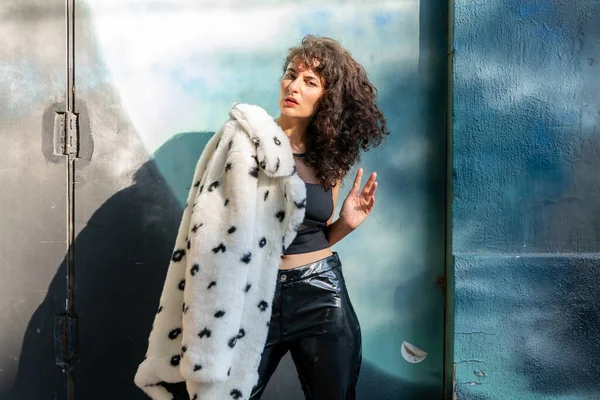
290 101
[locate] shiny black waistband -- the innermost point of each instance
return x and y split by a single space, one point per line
308 270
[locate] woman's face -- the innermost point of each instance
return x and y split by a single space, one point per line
300 91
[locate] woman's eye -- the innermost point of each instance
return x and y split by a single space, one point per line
311 83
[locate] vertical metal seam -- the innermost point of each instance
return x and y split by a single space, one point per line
448 380
70 103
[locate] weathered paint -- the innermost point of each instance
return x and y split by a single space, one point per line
32 195
526 215
157 78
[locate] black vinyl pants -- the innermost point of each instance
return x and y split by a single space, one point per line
313 318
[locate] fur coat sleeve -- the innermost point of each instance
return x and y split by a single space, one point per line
220 248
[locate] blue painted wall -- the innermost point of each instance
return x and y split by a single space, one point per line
392 263
526 199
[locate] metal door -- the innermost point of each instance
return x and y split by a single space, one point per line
34 200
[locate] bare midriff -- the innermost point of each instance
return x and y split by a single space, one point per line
295 260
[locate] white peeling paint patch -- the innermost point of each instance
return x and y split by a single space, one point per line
412 353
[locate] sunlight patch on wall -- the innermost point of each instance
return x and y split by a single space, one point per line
181 69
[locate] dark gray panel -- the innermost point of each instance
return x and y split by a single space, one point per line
33 200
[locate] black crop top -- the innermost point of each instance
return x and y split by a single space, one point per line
311 234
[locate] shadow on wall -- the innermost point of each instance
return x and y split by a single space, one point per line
121 260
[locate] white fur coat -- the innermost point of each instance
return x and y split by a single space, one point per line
243 209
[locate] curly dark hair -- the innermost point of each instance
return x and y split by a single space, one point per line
347 118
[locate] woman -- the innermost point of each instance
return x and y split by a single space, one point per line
328 111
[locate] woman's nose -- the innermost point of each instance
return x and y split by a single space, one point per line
293 85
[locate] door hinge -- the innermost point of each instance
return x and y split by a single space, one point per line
66 134
66 343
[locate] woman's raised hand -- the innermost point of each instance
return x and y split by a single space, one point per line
358 204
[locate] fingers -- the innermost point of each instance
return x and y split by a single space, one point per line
369 185
357 180
371 196
372 190
371 203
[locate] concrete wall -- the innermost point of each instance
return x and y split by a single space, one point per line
526 199
154 80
